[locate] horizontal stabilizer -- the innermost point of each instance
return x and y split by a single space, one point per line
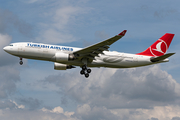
160 58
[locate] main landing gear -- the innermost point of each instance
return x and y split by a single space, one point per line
21 62
85 71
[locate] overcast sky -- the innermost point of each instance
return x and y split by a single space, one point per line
37 91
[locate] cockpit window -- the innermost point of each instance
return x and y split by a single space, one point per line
11 45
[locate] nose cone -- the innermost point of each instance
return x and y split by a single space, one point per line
5 49
8 49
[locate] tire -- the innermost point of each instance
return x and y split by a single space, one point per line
21 62
82 72
86 75
89 70
84 67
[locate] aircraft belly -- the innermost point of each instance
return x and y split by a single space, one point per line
120 62
119 65
35 57
35 53
75 63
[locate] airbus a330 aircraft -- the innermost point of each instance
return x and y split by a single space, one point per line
96 55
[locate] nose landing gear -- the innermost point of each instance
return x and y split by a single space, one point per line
21 62
85 71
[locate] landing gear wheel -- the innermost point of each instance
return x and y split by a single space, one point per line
86 75
82 72
85 71
21 62
89 70
84 67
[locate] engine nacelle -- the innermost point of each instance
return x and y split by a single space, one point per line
60 57
59 66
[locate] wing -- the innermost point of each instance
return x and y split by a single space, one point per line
93 50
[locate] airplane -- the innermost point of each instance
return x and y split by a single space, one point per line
96 55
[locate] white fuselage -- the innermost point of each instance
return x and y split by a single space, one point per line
47 52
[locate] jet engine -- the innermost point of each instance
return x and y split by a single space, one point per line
59 66
60 57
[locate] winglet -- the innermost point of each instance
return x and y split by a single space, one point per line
123 33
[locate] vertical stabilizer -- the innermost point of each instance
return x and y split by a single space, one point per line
160 47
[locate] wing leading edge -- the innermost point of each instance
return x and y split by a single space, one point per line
93 50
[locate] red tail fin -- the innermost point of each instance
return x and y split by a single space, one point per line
159 47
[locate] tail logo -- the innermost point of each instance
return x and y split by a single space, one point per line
159 48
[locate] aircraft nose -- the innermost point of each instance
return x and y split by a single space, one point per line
10 50
5 48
